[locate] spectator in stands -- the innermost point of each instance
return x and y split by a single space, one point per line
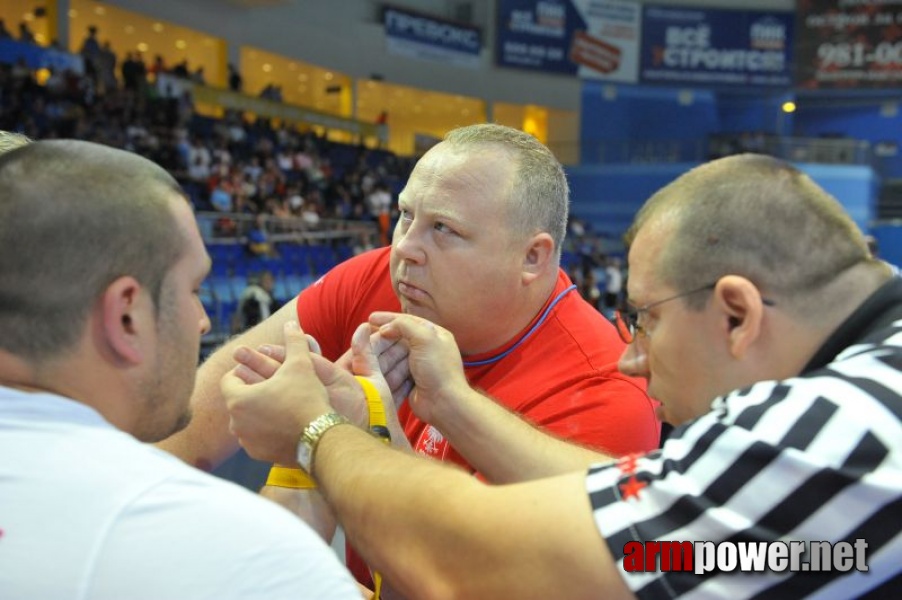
613 283
221 197
158 67
379 202
99 333
587 284
198 76
181 69
25 34
783 383
235 82
4 32
71 105
256 302
106 67
477 250
199 160
128 71
90 53
257 241
310 210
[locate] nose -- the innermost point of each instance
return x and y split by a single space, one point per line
205 325
408 245
633 361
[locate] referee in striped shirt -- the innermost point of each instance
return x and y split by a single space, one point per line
772 339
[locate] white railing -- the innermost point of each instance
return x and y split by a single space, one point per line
216 227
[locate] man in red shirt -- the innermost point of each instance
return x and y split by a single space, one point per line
477 251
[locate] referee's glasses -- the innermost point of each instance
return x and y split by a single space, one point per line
627 321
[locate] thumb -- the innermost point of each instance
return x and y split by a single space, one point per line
231 385
363 359
297 348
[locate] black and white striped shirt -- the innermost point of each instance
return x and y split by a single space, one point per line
817 458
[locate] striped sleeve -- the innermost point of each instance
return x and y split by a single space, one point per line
813 458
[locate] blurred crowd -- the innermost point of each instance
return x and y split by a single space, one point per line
235 165
229 165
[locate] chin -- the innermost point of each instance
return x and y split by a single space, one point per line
160 434
416 310
182 421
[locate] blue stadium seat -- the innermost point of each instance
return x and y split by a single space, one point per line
343 252
296 258
221 287
294 283
281 291
238 283
322 259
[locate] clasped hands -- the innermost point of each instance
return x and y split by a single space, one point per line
275 392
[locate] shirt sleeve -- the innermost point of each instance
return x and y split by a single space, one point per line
777 461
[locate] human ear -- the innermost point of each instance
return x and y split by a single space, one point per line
538 256
123 320
740 303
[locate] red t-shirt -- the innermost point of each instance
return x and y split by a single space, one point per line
562 375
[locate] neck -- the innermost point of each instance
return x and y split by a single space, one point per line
519 313
814 317
845 293
20 374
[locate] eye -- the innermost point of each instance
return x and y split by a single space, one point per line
443 228
632 319
405 215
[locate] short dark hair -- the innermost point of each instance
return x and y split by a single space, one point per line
755 216
74 217
540 196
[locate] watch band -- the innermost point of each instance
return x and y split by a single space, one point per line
312 435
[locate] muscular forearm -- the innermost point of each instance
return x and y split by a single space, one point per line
504 447
388 510
433 531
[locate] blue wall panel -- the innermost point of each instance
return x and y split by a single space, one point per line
875 122
612 115
608 196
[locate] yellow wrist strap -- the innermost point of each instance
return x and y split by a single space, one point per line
379 428
378 423
298 479
288 477
377 584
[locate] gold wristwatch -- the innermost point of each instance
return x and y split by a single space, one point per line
312 434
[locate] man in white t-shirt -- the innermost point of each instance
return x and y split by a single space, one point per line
100 325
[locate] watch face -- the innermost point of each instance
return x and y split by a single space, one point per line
304 455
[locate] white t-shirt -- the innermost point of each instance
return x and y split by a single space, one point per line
88 512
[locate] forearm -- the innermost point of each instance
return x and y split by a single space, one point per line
435 532
504 447
388 510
